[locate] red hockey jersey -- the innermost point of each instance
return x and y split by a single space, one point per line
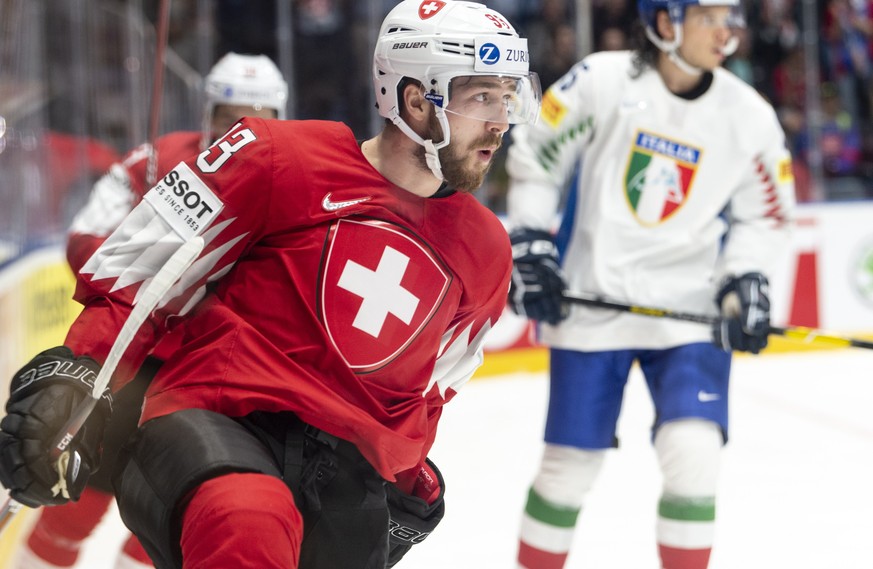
323 289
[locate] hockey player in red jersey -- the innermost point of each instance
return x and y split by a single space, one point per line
342 299
237 86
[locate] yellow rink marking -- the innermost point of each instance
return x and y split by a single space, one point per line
536 359
14 533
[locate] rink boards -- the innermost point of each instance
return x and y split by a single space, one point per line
825 281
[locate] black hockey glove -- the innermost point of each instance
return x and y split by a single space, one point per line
745 314
412 516
43 395
537 279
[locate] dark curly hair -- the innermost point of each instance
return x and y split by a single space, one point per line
645 52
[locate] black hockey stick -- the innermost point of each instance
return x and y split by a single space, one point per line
800 333
161 283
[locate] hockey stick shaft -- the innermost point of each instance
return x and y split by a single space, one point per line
161 36
799 333
161 283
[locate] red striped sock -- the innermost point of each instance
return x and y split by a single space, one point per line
60 530
530 557
675 558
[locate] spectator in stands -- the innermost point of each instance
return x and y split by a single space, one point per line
847 56
607 14
789 94
559 56
543 33
840 136
612 38
323 58
775 32
740 63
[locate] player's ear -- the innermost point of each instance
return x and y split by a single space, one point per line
664 26
416 109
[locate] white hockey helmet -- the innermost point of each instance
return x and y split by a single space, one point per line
250 80
648 10
437 41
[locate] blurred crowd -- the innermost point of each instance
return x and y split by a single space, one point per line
810 58
830 130
772 58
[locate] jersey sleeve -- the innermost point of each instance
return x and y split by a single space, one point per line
761 213
543 156
209 195
119 190
111 199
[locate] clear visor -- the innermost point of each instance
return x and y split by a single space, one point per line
730 17
494 98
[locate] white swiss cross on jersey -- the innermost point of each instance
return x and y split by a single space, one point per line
377 297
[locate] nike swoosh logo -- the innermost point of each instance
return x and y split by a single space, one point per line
329 205
705 397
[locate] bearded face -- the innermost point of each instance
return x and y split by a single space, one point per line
466 160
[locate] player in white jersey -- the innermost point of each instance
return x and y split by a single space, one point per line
682 199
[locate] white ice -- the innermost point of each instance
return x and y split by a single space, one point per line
796 489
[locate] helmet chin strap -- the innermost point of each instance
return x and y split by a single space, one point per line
431 149
672 48
682 64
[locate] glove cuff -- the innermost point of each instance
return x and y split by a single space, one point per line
529 234
57 366
732 282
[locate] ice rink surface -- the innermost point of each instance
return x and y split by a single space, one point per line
796 489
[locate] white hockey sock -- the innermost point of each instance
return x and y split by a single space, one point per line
554 502
689 453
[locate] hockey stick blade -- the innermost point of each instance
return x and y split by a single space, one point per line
799 333
161 283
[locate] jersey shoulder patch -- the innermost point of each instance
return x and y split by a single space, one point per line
182 200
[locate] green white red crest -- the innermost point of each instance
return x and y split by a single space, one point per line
659 175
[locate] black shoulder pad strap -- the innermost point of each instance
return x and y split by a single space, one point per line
166 459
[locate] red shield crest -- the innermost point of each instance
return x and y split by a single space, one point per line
380 285
429 8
